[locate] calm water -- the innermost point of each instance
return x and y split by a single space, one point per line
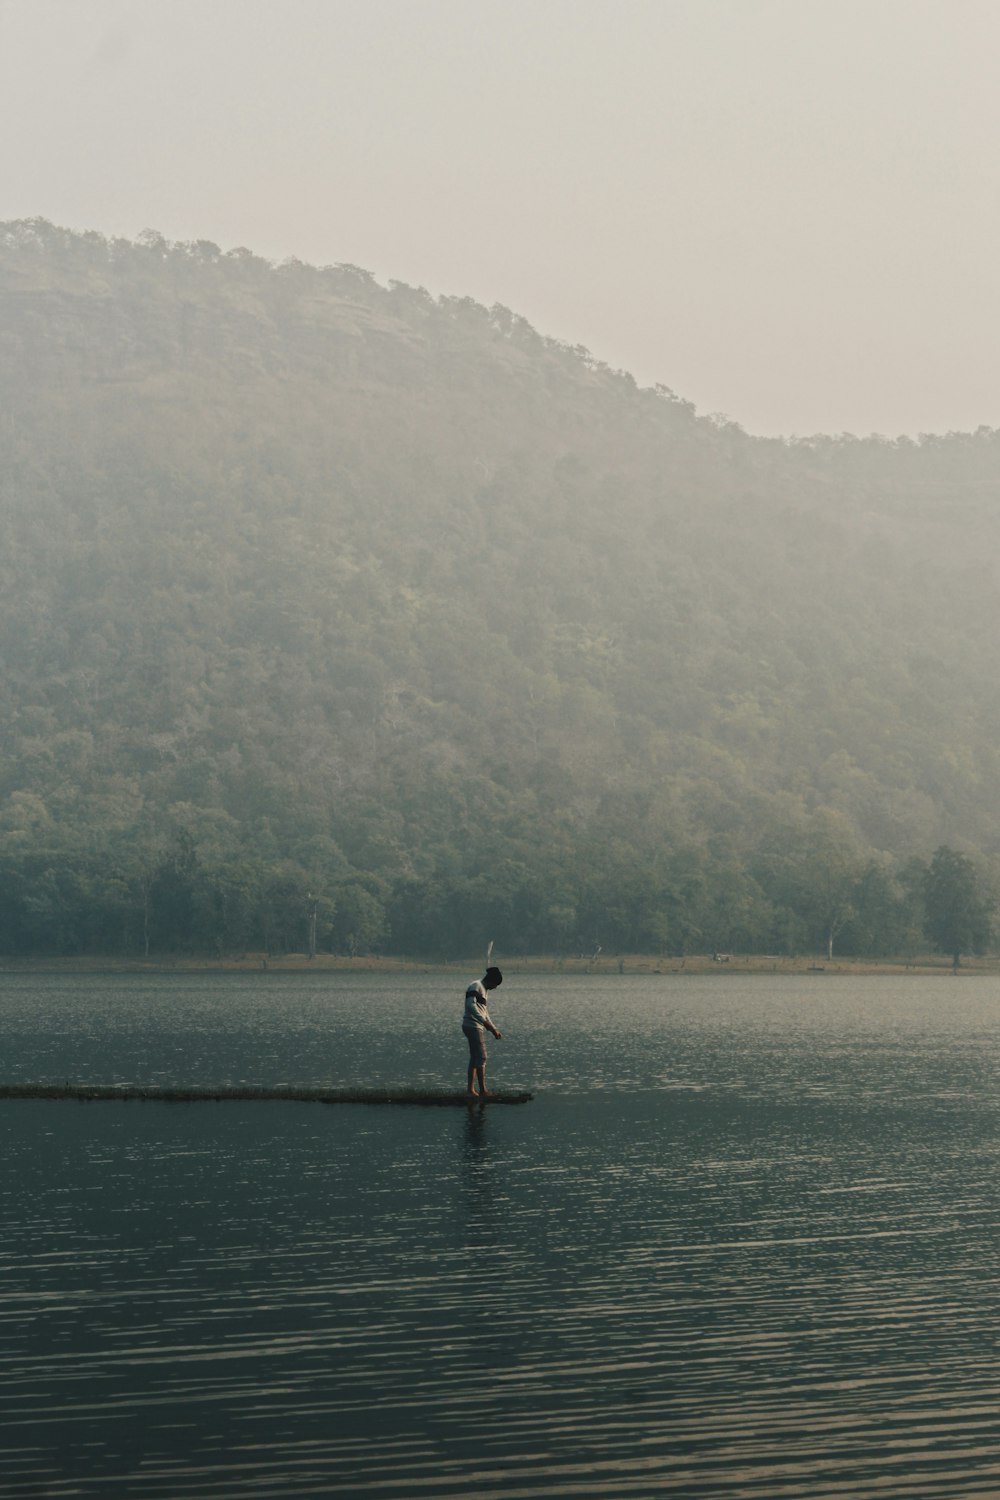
744 1242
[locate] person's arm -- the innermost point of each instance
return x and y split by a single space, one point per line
488 1022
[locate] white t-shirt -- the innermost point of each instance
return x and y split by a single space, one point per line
476 1013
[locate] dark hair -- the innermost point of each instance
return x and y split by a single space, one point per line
492 978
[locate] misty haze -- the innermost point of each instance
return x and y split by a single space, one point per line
499 774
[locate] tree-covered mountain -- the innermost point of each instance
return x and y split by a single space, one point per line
322 595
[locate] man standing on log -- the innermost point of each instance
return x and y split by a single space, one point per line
476 1021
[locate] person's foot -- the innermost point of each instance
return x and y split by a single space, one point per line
471 1094
487 1094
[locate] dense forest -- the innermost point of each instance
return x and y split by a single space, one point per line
337 614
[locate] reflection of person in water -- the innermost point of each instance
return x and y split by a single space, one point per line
475 1023
483 1208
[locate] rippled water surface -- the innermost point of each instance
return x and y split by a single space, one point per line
745 1241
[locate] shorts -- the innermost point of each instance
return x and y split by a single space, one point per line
477 1045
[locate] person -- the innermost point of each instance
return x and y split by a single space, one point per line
475 1020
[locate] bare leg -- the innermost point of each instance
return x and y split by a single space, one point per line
484 1092
472 1073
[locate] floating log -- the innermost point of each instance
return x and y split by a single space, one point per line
224 1093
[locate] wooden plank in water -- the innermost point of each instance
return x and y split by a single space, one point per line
224 1093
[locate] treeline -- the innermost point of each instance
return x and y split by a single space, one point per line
168 901
333 609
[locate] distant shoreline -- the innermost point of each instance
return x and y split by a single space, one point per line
605 964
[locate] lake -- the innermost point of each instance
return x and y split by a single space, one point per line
745 1240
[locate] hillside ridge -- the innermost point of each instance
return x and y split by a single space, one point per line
336 612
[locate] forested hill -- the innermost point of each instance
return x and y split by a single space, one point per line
319 593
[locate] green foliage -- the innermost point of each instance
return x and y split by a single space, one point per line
959 910
317 594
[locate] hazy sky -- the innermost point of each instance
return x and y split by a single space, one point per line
786 210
